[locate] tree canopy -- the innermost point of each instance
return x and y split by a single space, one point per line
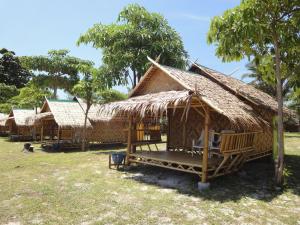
111 95
11 70
56 70
126 44
7 92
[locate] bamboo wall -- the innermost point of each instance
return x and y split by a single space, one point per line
159 82
107 132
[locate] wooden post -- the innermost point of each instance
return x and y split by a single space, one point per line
58 135
42 131
129 140
205 149
168 131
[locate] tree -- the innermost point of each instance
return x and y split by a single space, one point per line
126 44
111 95
263 82
11 70
87 89
7 92
56 70
30 97
266 30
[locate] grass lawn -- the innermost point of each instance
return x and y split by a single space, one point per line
78 188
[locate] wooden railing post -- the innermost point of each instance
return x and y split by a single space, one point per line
129 140
206 146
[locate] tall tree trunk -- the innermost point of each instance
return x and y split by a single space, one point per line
54 92
134 78
83 144
279 162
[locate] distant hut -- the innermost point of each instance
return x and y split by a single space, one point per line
18 129
3 128
215 123
62 121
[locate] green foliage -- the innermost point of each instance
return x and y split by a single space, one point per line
111 95
56 70
248 29
126 44
7 92
5 107
264 81
11 70
29 97
251 28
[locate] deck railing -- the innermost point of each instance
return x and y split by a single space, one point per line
237 142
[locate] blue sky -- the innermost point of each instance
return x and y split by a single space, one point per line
32 27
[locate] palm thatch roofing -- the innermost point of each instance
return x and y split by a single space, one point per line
93 114
3 118
193 86
66 113
237 87
20 116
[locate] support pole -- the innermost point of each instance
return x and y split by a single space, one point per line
58 134
205 149
42 131
129 140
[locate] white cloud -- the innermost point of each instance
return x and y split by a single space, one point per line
195 17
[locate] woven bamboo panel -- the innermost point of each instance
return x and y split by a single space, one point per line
159 81
107 132
263 141
25 130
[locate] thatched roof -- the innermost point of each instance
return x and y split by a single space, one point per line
3 118
93 114
20 116
66 113
193 85
238 87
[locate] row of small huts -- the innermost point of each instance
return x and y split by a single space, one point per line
188 105
61 121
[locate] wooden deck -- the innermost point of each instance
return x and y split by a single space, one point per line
174 160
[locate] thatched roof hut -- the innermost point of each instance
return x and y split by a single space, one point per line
3 127
195 101
63 120
16 122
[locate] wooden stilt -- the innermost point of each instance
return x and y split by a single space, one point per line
205 149
129 140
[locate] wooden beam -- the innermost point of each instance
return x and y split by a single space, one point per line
129 140
205 149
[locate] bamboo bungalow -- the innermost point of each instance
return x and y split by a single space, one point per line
62 121
59 121
213 126
18 129
3 128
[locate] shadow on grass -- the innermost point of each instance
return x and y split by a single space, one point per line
100 148
292 136
255 180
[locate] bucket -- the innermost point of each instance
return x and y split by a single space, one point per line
118 157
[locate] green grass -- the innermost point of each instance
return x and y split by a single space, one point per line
78 188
